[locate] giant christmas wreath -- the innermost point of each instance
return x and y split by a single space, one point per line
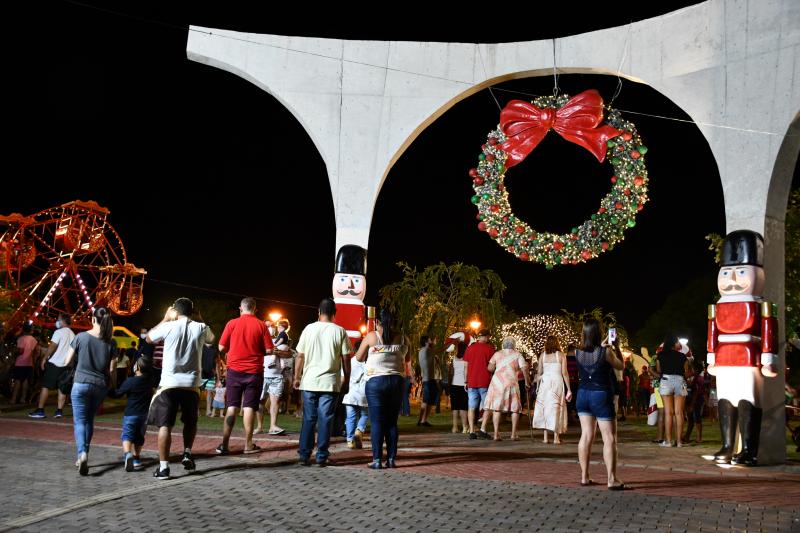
580 120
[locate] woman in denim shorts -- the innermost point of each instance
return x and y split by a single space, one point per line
673 367
595 402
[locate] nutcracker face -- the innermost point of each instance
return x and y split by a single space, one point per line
349 286
740 279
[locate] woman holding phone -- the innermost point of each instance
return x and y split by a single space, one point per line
595 402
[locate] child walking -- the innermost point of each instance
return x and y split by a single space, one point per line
139 389
355 402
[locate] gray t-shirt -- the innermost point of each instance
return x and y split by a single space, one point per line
94 359
426 364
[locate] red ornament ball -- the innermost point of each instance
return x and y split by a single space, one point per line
558 245
586 254
489 157
520 230
613 179
482 225
495 208
618 205
635 154
627 136
473 173
478 181
638 181
493 233
627 192
524 256
604 245
601 210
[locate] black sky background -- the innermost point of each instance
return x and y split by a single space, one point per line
212 183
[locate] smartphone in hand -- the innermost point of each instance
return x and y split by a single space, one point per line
612 335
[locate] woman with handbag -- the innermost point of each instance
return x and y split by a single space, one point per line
94 351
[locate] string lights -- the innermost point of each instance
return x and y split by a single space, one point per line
531 332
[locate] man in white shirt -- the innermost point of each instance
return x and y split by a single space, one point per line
322 354
180 380
53 366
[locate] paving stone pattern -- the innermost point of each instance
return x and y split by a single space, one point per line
234 494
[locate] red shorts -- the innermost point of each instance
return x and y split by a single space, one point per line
243 390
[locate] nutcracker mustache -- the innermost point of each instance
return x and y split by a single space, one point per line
735 287
349 292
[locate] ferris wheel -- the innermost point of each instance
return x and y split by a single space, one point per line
65 260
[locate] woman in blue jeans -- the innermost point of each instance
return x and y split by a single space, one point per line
95 367
595 402
384 352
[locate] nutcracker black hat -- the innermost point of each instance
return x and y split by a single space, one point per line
743 247
352 259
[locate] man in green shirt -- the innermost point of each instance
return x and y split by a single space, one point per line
322 353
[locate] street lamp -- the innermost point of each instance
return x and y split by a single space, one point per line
275 316
475 324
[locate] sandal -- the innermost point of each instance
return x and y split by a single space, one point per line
255 449
590 482
222 450
515 438
621 486
278 431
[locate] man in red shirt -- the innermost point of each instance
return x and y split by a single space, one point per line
478 377
246 340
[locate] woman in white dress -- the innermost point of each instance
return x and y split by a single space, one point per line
550 413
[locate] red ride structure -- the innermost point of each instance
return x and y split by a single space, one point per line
66 259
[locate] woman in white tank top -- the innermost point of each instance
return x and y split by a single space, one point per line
458 390
385 371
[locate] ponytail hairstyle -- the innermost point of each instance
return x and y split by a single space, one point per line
103 318
385 320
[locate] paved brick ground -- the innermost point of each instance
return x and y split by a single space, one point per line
446 483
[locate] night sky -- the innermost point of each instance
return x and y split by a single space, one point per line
212 183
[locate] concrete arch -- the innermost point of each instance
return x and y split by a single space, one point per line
729 68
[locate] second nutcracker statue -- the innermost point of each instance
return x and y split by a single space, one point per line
742 344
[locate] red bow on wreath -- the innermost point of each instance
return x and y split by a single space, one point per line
525 125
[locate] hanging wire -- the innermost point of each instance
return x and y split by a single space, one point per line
555 72
226 293
486 76
621 62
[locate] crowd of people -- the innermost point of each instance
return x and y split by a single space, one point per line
253 369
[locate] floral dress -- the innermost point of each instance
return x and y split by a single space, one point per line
503 394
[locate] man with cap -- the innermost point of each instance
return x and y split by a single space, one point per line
742 343
349 288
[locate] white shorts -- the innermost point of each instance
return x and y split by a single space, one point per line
273 385
672 385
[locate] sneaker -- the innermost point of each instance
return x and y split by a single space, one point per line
351 445
38 413
59 413
137 464
473 436
304 462
83 464
128 461
161 474
426 424
325 462
188 462
482 434
359 439
221 450
665 444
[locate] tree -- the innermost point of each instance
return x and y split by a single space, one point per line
607 320
684 312
444 298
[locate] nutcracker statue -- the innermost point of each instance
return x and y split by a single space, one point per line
349 288
742 344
